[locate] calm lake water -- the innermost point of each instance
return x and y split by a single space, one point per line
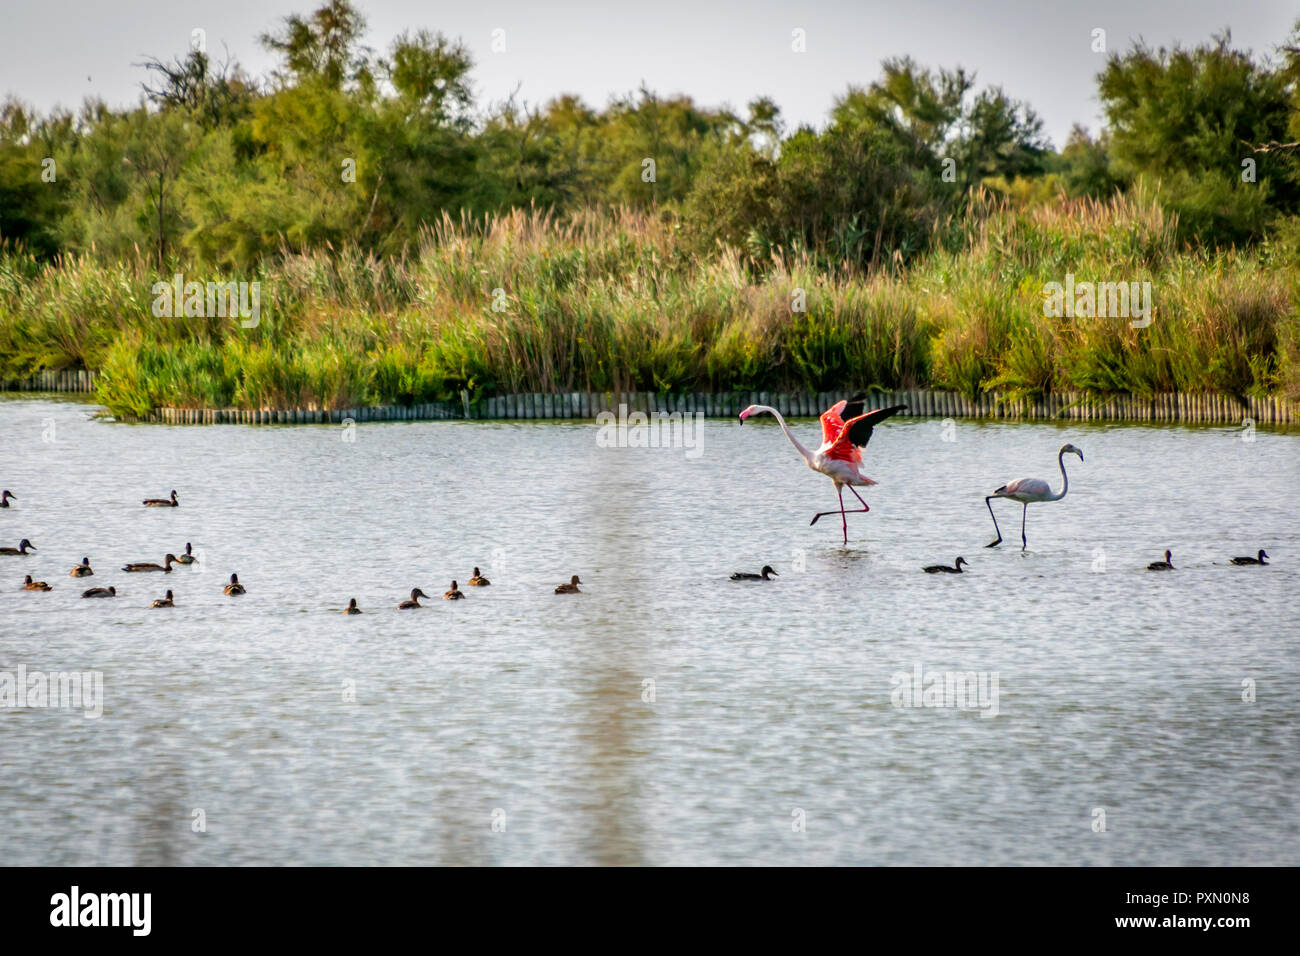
519 727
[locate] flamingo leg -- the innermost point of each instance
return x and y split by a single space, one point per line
1024 543
842 512
988 502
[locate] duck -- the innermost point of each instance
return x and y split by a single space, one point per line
5 496
570 588
1255 560
23 547
1166 565
163 502
352 607
82 570
765 575
478 581
944 569
454 594
234 587
416 594
164 601
165 567
187 557
30 585
100 592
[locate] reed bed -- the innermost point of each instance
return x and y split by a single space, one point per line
610 301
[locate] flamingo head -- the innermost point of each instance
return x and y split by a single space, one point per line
752 410
1071 449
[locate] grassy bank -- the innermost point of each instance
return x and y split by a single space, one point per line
613 301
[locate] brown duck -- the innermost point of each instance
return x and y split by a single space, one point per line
165 567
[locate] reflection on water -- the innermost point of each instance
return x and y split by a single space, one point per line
665 715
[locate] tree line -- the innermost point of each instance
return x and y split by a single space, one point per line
342 146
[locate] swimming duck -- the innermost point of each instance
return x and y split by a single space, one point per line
187 557
454 594
164 601
352 607
570 588
100 592
234 587
478 581
765 575
163 502
166 566
5 496
944 569
416 594
1256 560
82 570
23 547
1166 565
30 585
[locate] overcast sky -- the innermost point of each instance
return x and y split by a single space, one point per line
59 51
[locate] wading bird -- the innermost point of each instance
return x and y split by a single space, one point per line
944 569
1166 565
234 587
570 588
166 566
1256 560
164 601
1028 490
5 496
846 429
765 575
82 570
23 547
30 585
163 502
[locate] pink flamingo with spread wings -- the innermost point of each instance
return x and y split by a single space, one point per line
845 432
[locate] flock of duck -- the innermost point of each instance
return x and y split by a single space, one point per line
233 587
956 567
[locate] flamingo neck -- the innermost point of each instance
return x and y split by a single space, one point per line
1065 479
803 452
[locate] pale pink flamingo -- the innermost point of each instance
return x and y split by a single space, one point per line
845 432
1026 490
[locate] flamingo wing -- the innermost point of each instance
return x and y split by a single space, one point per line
855 434
1029 487
859 428
832 423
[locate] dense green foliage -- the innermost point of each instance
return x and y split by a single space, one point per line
651 244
